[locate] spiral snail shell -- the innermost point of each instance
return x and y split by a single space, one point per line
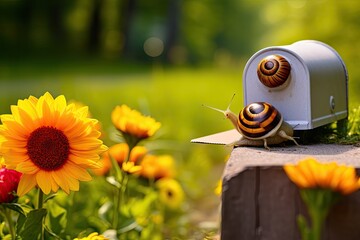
259 120
273 71
259 124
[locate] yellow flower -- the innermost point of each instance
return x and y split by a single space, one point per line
79 105
51 143
218 189
119 152
171 193
155 167
93 236
133 123
130 167
309 173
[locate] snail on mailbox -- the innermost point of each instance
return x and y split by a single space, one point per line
259 124
273 71
307 81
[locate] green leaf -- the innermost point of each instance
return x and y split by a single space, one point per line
49 232
98 223
7 237
22 209
56 218
30 227
50 197
2 225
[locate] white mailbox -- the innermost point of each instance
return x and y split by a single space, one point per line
306 81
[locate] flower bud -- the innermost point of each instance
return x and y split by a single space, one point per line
9 180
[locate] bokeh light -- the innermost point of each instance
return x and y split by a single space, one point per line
153 46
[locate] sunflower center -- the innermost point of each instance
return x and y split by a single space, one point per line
48 148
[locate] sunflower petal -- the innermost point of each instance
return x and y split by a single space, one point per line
77 172
43 182
54 185
61 181
84 162
73 183
27 182
60 103
26 167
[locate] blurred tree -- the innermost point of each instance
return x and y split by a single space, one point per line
25 12
56 11
172 28
95 24
128 11
192 31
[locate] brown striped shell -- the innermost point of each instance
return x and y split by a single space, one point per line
273 71
259 120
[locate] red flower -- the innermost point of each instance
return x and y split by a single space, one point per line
9 181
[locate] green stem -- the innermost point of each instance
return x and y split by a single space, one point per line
317 219
40 199
40 205
120 193
116 210
7 216
319 202
11 226
120 196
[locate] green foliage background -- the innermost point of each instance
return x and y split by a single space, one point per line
92 51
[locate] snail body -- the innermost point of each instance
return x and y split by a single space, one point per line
259 124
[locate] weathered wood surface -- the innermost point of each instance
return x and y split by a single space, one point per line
259 202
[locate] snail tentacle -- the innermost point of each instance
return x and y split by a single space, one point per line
283 134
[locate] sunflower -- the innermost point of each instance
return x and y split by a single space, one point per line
51 143
170 192
309 173
132 123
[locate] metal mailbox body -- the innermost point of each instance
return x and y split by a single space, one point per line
316 92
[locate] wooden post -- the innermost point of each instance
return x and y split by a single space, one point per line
259 201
